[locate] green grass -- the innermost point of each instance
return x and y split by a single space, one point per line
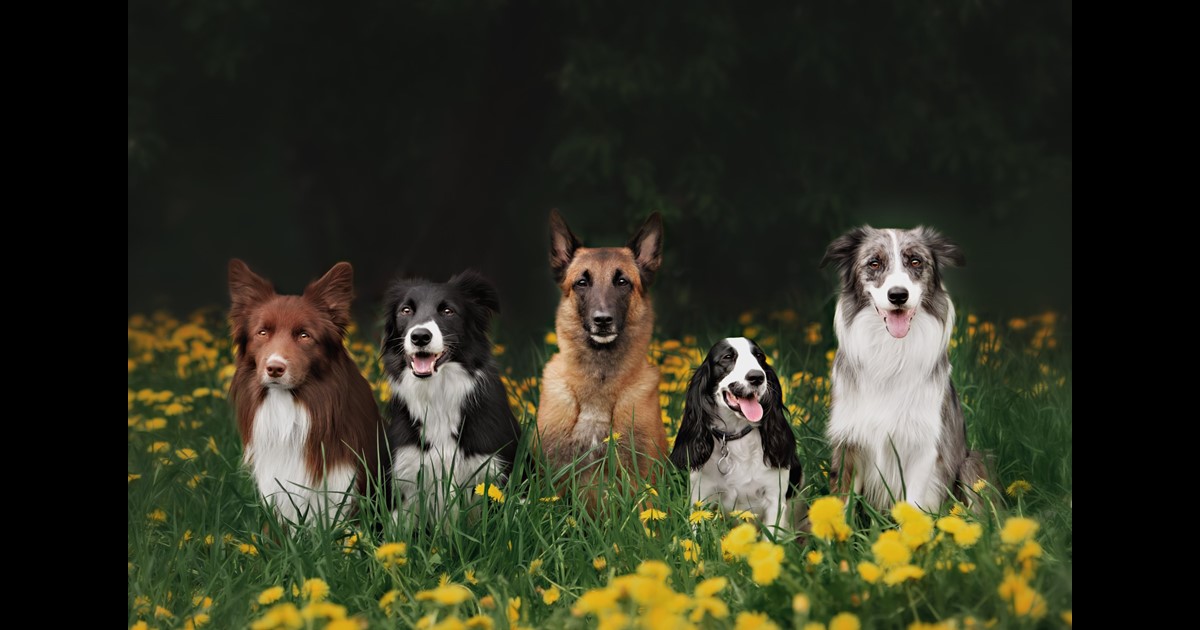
214 540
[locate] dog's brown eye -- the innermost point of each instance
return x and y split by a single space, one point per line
406 310
915 262
447 311
262 333
621 281
874 263
304 335
727 357
582 282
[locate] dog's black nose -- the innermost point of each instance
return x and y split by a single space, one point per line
420 337
603 320
897 295
755 377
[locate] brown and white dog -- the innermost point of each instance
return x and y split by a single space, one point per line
600 382
309 424
895 425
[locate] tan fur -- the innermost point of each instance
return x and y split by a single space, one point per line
589 393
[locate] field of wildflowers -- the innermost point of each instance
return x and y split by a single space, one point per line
203 553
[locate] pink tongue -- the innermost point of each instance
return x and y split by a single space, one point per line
423 364
898 321
750 408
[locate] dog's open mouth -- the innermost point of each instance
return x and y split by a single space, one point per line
748 407
898 321
424 364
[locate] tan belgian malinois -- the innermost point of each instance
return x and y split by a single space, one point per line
600 384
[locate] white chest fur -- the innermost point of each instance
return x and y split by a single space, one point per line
433 476
748 484
276 458
887 401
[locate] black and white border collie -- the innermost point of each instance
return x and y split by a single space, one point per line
734 438
895 425
451 426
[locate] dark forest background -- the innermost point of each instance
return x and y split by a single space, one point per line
421 138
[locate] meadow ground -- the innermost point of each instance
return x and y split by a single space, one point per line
199 555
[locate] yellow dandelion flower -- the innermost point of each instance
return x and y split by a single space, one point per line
900 574
599 563
754 621
614 436
480 622
551 595
492 492
814 557
157 516
159 447
869 572
711 587
284 615
916 528
742 515
966 567
710 606
828 519
154 424
890 550
134 477
801 604
551 339
1024 600
1030 550
513 611
201 392
270 596
174 409
162 613
652 515
343 624
766 560
323 610
691 551
1018 487
737 542
469 576
598 601
650 490
1018 529
965 534
212 445
197 620
535 566
1066 617
447 595
350 543
248 549
315 589
845 621
389 599
699 516
184 454
392 554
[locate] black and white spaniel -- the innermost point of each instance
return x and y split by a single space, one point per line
734 438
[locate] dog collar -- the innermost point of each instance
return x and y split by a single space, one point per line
730 437
722 463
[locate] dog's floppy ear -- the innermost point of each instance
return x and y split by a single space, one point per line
841 252
562 245
647 248
478 288
246 289
945 251
779 443
694 443
333 293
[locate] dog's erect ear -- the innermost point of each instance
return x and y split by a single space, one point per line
478 288
647 248
562 245
841 251
333 293
246 289
693 443
945 252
